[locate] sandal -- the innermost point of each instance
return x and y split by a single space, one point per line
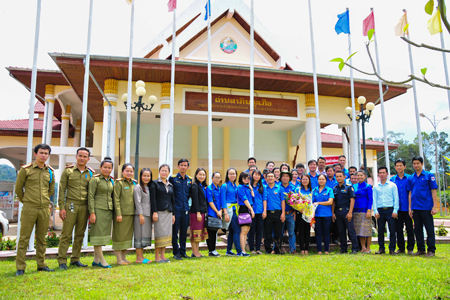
146 261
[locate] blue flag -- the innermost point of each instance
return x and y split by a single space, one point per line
207 9
343 24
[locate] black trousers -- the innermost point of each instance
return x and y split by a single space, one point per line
211 241
273 224
345 226
255 234
304 232
402 220
334 231
424 218
386 217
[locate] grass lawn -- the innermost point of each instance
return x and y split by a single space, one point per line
438 216
257 277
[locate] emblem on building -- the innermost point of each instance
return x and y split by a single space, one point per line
228 45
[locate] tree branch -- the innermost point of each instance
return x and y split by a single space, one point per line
442 6
424 45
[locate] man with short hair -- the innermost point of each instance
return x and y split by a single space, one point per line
312 166
251 161
35 185
301 169
352 170
353 178
342 161
73 207
289 224
252 169
273 215
385 208
423 206
264 179
181 189
331 180
403 219
344 201
321 163
337 167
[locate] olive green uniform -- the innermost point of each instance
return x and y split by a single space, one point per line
34 187
123 206
73 197
101 204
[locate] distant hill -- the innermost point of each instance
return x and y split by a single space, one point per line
7 173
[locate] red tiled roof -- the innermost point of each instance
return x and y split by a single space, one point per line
337 139
39 108
23 124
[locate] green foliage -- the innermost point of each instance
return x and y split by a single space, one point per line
424 71
341 66
370 34
7 173
429 7
341 61
52 240
441 231
7 244
338 59
348 58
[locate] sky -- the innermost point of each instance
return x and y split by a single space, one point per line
64 29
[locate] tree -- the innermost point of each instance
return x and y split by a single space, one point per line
7 173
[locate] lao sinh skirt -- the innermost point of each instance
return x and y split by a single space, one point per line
100 232
123 233
163 229
142 233
199 233
363 226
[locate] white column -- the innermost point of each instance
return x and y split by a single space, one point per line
64 138
310 128
109 121
77 134
345 147
375 170
50 102
164 126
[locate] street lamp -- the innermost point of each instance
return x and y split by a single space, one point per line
364 117
139 107
435 125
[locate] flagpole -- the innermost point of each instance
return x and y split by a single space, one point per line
172 92
416 105
129 90
316 92
383 115
251 126
354 139
210 154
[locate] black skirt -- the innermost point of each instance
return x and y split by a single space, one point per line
243 209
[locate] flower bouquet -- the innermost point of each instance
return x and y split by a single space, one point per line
301 203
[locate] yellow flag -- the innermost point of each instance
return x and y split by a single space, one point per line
434 24
129 1
400 27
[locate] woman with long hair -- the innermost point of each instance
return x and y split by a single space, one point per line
245 196
258 208
303 227
198 210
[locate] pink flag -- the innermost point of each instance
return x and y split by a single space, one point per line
172 5
368 23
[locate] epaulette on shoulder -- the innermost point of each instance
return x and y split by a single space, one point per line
120 179
112 177
174 176
96 175
50 167
27 165
71 166
189 177
92 170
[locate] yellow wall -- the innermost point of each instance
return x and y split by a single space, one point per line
11 141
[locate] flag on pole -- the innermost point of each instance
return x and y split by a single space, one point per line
129 1
343 24
400 27
434 24
172 5
207 9
368 23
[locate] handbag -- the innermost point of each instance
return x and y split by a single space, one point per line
244 219
213 223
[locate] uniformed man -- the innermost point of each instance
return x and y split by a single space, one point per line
344 200
73 207
182 187
35 185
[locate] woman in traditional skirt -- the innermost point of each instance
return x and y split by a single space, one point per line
198 210
163 213
101 188
124 214
362 212
213 196
142 220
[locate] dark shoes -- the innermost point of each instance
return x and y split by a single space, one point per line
78 264
46 269
63 267
343 252
400 252
410 252
184 255
20 272
354 252
380 252
177 257
430 254
391 252
419 253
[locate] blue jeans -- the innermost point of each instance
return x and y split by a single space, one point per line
234 232
424 218
181 224
323 225
386 216
289 224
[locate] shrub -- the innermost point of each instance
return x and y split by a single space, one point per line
7 244
441 231
52 239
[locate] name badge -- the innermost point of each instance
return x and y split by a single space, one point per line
126 188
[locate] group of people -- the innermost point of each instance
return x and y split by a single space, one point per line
248 206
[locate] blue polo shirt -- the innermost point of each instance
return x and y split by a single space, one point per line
402 191
274 197
314 180
323 196
216 199
420 187
289 188
347 174
244 193
258 206
228 194
181 191
331 183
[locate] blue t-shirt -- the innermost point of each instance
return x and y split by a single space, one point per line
274 197
244 193
228 193
258 207
216 199
314 180
363 197
322 210
289 188
331 183
402 184
420 188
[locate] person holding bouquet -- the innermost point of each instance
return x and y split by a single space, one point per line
303 227
323 197
289 224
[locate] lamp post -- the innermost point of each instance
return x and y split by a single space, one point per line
139 107
435 124
364 117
